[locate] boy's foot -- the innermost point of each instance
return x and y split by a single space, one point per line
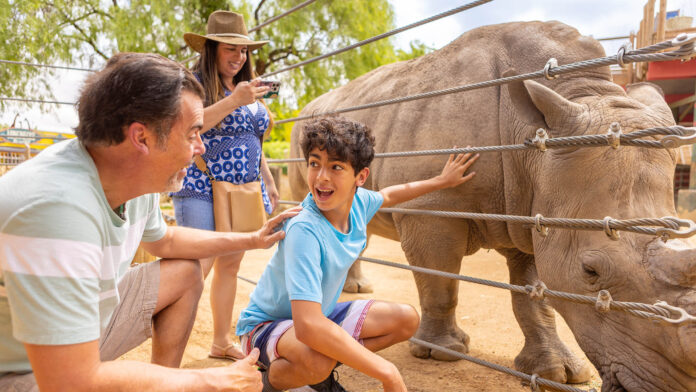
330 384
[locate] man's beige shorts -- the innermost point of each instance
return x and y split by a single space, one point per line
130 325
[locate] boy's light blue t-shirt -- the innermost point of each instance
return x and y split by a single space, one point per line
311 263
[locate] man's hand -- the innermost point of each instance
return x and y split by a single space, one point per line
243 375
453 172
271 232
246 93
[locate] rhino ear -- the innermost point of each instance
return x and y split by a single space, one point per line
520 101
563 117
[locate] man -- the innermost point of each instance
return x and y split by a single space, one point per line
70 222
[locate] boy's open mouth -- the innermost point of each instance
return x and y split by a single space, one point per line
324 194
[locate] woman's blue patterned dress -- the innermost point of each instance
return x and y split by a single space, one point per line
232 153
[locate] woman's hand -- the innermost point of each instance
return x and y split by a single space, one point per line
273 195
246 93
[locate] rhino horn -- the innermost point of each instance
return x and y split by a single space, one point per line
561 115
673 263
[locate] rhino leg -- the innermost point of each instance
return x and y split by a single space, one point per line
543 352
356 282
438 296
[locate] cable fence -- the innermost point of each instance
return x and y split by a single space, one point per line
684 42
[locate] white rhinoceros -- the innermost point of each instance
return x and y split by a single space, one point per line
630 353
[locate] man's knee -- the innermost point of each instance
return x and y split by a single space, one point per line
186 274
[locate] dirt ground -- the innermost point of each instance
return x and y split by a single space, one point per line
484 313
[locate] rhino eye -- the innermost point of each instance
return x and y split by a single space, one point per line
589 273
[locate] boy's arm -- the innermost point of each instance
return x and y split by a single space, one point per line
321 334
451 176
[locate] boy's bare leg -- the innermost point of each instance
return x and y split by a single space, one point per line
386 324
298 364
180 288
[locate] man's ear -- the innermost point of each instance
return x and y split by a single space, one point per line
138 136
362 176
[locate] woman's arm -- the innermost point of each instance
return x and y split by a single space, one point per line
244 93
271 187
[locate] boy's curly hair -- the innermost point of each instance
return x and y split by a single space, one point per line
344 140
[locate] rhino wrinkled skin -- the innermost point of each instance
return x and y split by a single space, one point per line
630 353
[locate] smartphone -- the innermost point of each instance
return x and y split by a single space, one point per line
274 88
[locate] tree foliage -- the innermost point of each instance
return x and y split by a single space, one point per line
87 32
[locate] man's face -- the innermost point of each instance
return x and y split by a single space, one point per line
331 181
183 143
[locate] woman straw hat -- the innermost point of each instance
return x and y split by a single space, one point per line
226 27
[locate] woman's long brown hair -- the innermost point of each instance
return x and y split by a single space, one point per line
206 68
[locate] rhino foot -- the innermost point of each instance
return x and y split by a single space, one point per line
553 363
357 285
455 340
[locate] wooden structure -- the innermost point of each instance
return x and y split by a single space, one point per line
20 144
678 82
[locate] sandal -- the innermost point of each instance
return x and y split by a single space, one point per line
224 350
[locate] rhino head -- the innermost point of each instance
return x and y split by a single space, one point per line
631 353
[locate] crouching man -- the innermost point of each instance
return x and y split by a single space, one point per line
71 220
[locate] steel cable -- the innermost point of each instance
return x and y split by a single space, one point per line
642 55
284 14
378 37
500 368
629 139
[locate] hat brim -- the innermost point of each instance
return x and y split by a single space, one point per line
197 41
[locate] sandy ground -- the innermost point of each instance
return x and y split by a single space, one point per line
484 313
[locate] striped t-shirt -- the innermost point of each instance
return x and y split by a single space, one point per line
63 251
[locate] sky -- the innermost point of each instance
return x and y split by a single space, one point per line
598 18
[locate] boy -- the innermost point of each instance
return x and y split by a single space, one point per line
293 316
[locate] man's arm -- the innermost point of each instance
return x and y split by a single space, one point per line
451 176
77 367
321 334
188 243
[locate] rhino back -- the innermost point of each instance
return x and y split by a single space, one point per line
460 119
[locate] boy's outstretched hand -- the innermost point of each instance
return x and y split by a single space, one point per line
453 172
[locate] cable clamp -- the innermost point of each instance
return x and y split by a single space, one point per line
540 139
603 304
552 63
536 291
533 385
614 135
610 232
621 52
541 229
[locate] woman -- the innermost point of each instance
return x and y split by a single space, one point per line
235 122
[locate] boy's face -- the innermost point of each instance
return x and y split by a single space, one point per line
332 182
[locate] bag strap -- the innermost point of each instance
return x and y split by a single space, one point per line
200 163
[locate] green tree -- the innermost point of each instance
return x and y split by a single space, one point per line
87 32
